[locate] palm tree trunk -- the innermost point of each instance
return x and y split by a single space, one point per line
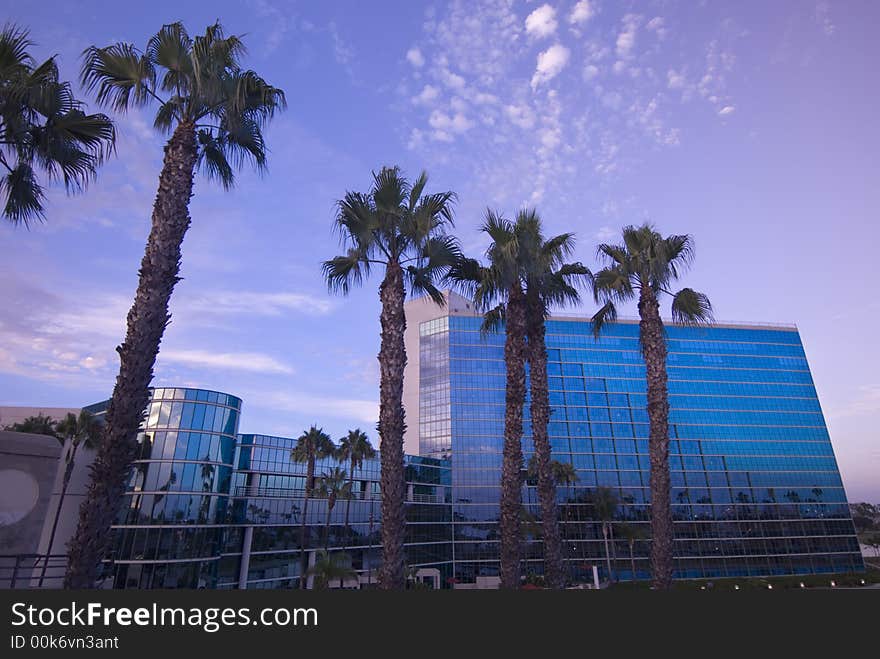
303 554
65 482
607 553
512 457
345 529
632 558
327 531
613 550
147 320
392 360
653 342
540 415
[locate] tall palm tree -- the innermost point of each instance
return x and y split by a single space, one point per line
497 290
643 268
397 227
354 448
42 126
549 282
333 485
314 444
77 431
215 112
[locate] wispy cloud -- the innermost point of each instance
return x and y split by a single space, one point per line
254 303
254 362
865 402
319 407
550 64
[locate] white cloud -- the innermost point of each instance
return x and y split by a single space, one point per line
726 110
550 63
658 26
445 125
428 95
541 22
627 37
590 72
674 79
605 234
416 139
581 13
366 411
251 303
238 361
520 115
414 56
450 79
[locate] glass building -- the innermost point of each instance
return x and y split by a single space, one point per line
755 484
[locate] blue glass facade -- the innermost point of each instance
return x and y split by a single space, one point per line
756 488
170 531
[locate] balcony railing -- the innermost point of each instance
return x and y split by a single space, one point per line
299 493
32 570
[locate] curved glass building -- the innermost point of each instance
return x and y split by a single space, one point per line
170 533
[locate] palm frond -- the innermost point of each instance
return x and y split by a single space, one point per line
606 314
691 308
612 284
493 320
170 48
24 194
119 75
212 159
343 272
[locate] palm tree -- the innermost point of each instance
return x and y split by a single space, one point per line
42 126
77 430
604 502
549 281
643 267
632 533
354 448
215 112
396 227
314 444
333 485
497 290
39 424
330 567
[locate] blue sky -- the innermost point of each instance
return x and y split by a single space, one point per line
750 125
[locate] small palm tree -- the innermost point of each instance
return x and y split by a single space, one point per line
604 502
333 485
215 112
632 533
330 567
42 126
497 290
314 444
39 424
643 268
78 431
354 448
400 229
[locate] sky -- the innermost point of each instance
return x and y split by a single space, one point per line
749 125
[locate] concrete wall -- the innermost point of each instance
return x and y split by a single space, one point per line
28 469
